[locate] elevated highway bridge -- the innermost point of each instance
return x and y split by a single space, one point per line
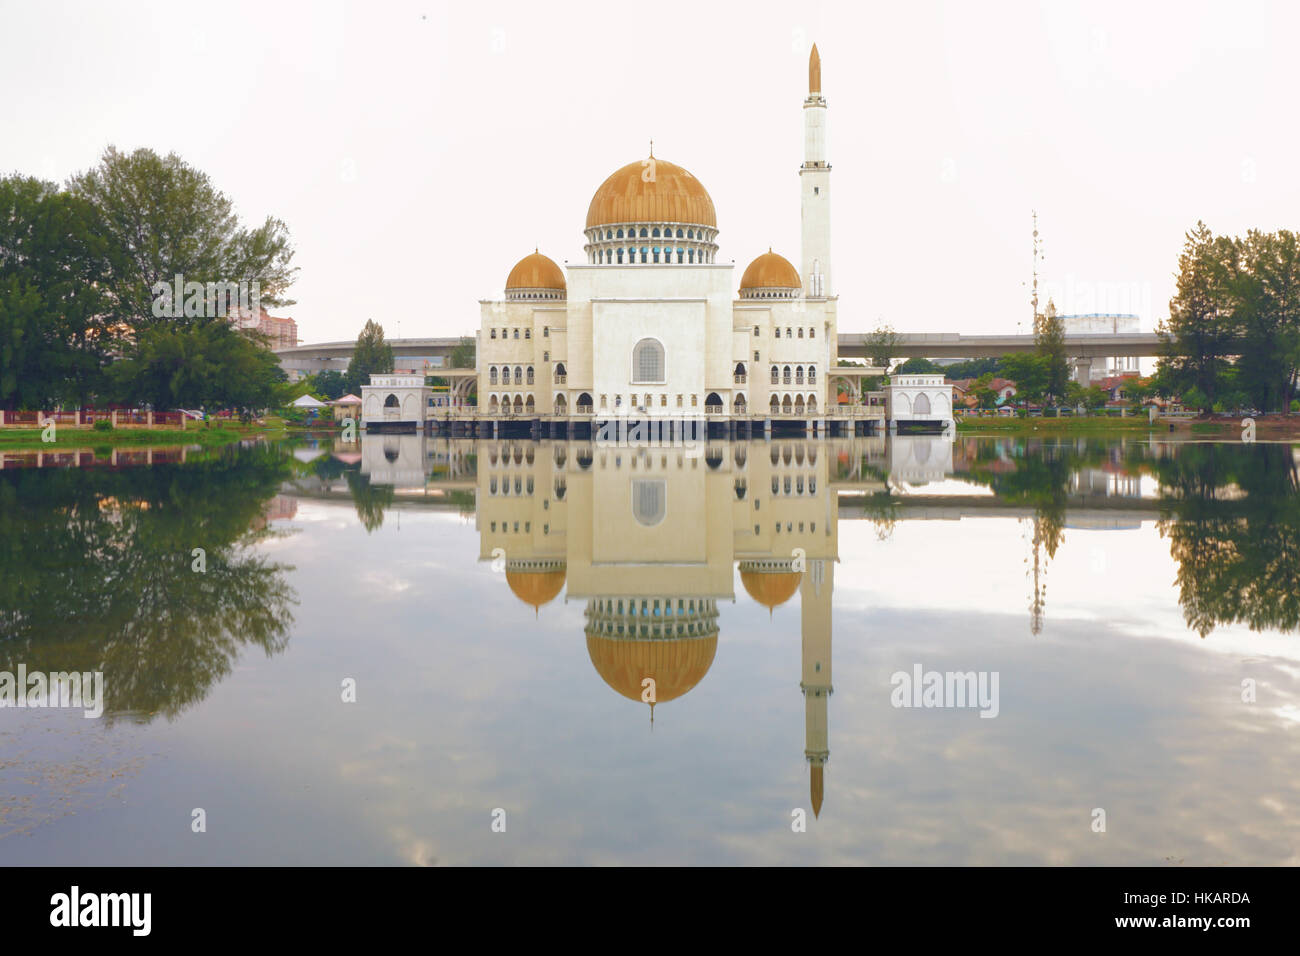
1082 348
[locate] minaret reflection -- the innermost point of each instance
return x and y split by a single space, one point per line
650 537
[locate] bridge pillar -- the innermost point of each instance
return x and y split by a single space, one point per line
1083 371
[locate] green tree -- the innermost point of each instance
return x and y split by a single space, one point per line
209 366
371 356
462 356
974 368
330 384
1029 371
1049 346
1264 285
881 345
162 218
1199 334
53 341
919 366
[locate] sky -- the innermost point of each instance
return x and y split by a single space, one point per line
417 150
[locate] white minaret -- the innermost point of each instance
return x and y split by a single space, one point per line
815 185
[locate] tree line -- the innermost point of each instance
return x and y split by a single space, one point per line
80 269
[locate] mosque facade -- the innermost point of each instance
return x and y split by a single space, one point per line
652 325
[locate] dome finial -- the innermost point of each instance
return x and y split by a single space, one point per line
652 148
814 72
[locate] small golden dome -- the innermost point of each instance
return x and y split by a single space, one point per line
771 271
651 190
535 271
676 664
536 588
771 589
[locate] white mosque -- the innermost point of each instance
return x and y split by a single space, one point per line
650 325
651 329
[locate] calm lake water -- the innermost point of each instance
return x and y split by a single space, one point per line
503 611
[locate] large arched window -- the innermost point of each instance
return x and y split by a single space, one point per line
922 405
648 361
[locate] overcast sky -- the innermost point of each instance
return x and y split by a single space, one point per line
416 150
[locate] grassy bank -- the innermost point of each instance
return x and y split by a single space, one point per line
65 436
1057 426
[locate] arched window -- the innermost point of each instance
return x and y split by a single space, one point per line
528 407
739 404
690 233
812 375
775 375
584 403
798 405
620 234
620 257
560 404
798 375
785 375
519 405
801 332
648 361
643 232
492 375
492 405
649 500
654 234
519 375
391 401
643 249
690 255
922 405
530 375
775 404
679 232
786 405
812 333
713 404
609 233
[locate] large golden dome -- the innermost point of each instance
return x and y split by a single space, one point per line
770 271
676 664
651 190
535 271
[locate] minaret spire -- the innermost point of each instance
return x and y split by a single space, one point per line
815 187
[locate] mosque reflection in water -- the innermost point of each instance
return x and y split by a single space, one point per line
649 538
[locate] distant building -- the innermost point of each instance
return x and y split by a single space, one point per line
282 332
1100 323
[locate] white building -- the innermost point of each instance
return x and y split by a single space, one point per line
919 398
395 402
652 325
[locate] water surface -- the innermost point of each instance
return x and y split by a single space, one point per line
499 605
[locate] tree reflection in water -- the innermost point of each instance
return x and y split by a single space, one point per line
96 573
